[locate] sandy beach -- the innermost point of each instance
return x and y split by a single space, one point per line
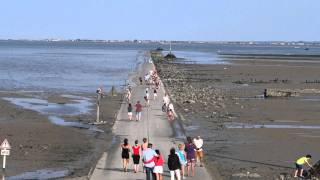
247 136
38 143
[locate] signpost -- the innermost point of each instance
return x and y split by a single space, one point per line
5 151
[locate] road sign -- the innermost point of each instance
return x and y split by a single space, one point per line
5 145
5 152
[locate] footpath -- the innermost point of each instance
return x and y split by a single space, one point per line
153 125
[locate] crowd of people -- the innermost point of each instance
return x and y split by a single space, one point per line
181 160
152 81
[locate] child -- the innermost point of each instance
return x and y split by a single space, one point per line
174 164
158 169
182 158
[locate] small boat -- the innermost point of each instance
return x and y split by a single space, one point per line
306 49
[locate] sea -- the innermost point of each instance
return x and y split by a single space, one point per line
83 66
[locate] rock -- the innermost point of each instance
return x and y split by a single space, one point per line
190 101
246 175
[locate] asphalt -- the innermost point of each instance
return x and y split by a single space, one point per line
153 125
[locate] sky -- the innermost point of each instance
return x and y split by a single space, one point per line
189 20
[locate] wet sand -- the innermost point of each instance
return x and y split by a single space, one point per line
208 98
39 144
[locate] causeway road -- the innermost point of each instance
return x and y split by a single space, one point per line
153 125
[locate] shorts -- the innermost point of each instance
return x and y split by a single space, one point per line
136 159
298 166
199 153
183 163
129 113
191 161
158 169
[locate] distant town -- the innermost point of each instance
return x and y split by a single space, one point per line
279 43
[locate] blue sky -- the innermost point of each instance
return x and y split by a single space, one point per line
210 20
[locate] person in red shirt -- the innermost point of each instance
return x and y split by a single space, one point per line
138 111
136 156
158 168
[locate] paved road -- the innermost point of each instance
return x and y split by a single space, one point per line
154 124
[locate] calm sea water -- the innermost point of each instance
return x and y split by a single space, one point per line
83 66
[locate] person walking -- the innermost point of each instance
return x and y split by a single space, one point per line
148 160
190 149
198 142
144 146
138 111
147 93
125 149
158 168
174 165
130 111
166 99
146 100
300 162
170 115
128 95
136 156
155 94
182 158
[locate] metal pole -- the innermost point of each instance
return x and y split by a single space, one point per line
148 124
4 162
98 113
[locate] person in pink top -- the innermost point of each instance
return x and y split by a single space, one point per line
158 168
136 156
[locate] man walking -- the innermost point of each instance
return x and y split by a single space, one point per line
138 111
148 160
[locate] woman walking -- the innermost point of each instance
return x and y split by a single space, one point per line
128 95
190 149
158 169
125 149
174 164
130 111
182 158
136 156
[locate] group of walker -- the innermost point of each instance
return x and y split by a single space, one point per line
185 156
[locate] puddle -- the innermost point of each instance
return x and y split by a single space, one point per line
311 98
191 128
40 175
250 98
61 122
79 105
269 126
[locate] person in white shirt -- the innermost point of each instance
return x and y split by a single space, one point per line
198 142
166 99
